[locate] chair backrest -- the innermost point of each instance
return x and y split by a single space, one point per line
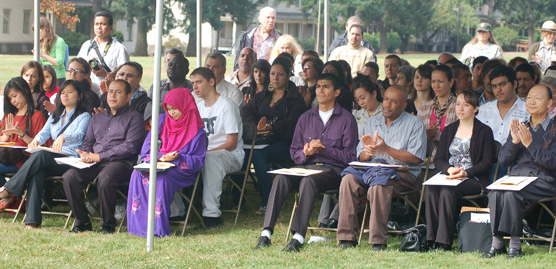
249 131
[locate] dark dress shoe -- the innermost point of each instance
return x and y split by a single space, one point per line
514 253
293 246
211 222
443 247
379 247
322 225
82 228
494 252
345 244
332 224
264 242
108 230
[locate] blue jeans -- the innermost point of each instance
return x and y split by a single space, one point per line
5 169
278 152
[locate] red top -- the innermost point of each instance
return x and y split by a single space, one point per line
53 92
37 121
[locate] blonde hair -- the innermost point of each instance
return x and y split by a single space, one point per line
296 48
491 40
544 33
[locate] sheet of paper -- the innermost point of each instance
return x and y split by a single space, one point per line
160 166
480 218
442 180
73 161
511 183
363 164
301 172
49 150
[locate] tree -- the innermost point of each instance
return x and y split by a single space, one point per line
532 12
62 11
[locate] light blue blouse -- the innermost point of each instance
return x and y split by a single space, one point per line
73 135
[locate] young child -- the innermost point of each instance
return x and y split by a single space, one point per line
50 88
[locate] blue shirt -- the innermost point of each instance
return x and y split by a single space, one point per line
73 135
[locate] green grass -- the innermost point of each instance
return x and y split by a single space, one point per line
226 246
10 65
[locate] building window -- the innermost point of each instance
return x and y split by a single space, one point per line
6 21
26 21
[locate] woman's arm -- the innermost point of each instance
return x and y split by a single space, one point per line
441 160
487 147
286 126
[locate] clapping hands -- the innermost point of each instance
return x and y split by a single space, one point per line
313 147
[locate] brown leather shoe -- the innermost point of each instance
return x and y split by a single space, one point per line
7 202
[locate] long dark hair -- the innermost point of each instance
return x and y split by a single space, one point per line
87 70
50 70
448 72
425 71
263 66
340 70
60 108
20 85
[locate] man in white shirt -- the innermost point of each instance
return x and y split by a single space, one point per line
216 62
353 53
225 148
498 114
105 49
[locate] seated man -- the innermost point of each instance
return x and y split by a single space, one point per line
216 62
225 146
398 138
525 75
113 140
325 139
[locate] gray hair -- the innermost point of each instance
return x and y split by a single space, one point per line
217 56
265 10
549 81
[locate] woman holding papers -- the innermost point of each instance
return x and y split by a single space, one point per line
184 144
67 127
531 152
465 152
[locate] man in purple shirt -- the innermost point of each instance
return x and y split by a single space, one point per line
112 141
325 139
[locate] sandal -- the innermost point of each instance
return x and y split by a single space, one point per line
4 192
7 202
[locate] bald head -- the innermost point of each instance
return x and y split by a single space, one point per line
394 103
246 59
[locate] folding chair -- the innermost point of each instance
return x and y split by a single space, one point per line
249 133
190 200
552 213
16 211
120 193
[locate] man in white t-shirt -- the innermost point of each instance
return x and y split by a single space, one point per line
112 52
225 147
216 62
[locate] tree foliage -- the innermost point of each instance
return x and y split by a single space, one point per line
62 11
530 14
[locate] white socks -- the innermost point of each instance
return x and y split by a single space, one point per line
299 238
266 233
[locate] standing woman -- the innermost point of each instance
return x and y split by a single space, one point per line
275 113
20 124
260 79
53 49
441 110
287 44
422 85
32 73
80 70
67 127
465 149
483 44
312 68
184 144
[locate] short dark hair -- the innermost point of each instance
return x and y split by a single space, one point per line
448 72
358 26
317 64
479 60
126 85
456 69
489 65
217 56
526 67
83 63
332 78
453 61
108 15
396 57
135 65
311 53
367 84
503 71
431 62
206 73
174 51
471 97
373 65
513 62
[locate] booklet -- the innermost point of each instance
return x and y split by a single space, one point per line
363 164
49 150
160 166
511 183
441 179
300 172
11 145
74 161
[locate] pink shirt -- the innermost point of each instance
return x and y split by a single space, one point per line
442 122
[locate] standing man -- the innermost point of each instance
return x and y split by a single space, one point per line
344 38
225 144
355 54
216 62
325 139
104 49
241 77
112 141
262 38
386 137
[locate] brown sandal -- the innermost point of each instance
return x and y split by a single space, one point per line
8 200
4 192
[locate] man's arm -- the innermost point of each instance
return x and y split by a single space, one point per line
230 144
296 148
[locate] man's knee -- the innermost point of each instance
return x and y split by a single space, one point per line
348 181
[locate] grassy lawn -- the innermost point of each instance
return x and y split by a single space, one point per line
10 65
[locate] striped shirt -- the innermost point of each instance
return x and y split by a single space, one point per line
73 135
406 133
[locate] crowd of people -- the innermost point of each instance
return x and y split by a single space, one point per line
308 114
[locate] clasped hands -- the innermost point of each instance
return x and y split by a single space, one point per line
313 147
520 133
456 173
168 157
88 157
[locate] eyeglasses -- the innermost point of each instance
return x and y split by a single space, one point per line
128 75
307 67
75 71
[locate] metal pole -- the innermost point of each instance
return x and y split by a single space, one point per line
198 32
326 33
154 124
37 40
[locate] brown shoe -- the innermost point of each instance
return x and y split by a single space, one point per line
7 202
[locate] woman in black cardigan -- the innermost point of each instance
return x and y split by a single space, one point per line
465 149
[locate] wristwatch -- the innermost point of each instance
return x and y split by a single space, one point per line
22 136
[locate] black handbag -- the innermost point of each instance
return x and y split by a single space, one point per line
12 156
415 239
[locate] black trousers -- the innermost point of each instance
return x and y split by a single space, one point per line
441 209
107 176
31 176
309 188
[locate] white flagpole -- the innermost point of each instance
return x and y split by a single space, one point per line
37 41
198 32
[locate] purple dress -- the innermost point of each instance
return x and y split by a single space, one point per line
188 164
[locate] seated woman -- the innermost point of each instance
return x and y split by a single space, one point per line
80 70
404 78
50 88
441 110
531 151
260 78
274 112
17 126
345 99
184 144
32 73
466 149
422 86
312 68
367 96
67 127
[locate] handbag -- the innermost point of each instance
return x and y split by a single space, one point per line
474 232
415 239
12 156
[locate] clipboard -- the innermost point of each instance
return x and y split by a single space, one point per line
441 179
511 183
296 171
